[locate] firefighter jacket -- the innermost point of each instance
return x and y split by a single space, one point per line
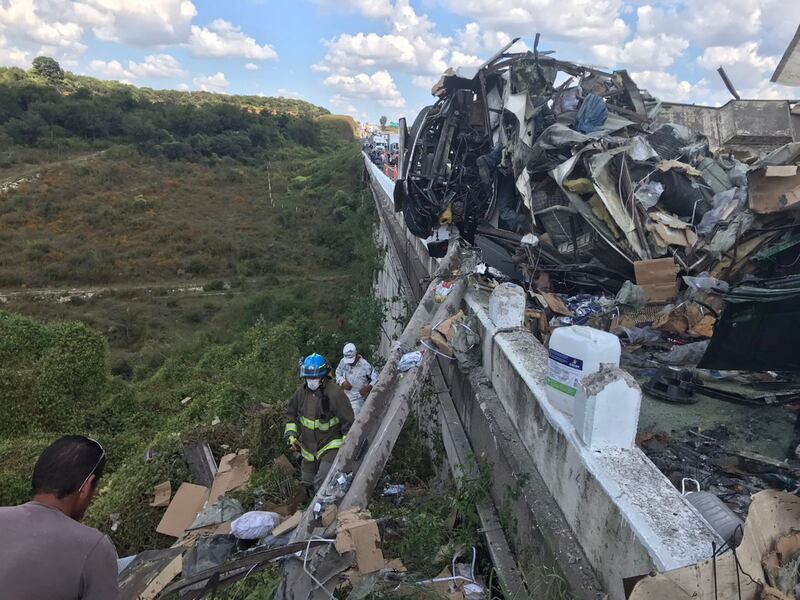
319 420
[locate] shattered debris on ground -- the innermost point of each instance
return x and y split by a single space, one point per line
614 212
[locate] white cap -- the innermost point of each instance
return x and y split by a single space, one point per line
349 352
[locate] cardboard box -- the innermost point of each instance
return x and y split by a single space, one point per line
774 190
161 495
184 508
287 525
358 533
234 472
658 278
328 516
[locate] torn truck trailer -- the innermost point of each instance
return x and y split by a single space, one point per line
593 171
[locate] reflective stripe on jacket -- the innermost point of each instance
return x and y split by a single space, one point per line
318 430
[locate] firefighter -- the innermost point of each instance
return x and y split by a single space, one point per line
318 418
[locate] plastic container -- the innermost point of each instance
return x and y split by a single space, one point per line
574 353
716 513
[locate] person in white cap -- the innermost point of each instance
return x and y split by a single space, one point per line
355 376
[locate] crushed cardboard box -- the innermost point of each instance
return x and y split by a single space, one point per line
358 532
774 189
184 508
772 515
554 303
234 472
658 278
288 524
328 515
443 334
161 495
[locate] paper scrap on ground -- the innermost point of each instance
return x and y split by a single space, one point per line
161 495
184 508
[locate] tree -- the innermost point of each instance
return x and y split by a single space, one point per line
383 123
48 68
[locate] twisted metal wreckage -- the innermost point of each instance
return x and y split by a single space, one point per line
563 171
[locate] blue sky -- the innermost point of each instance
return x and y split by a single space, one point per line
373 57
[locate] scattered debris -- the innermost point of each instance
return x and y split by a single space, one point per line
234 472
357 532
288 525
181 512
201 463
768 544
255 524
161 495
409 360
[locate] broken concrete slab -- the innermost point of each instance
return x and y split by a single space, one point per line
507 306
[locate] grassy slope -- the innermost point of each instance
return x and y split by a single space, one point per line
295 273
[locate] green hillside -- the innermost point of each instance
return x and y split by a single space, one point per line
162 245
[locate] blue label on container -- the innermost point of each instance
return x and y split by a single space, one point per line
567 361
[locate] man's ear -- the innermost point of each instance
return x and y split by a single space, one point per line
87 489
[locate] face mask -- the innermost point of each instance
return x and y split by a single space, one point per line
313 384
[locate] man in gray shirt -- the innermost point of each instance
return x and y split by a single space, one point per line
45 553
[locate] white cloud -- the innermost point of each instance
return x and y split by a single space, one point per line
212 83
13 57
459 59
284 93
743 64
138 22
58 27
183 87
251 66
29 21
343 105
412 45
472 39
582 21
669 88
111 69
379 87
425 82
222 39
723 22
656 52
372 9
157 65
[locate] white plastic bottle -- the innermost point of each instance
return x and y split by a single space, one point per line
574 353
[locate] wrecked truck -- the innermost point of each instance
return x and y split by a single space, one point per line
557 167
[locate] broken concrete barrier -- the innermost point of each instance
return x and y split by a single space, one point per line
507 306
607 408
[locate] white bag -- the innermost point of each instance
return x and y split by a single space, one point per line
255 524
